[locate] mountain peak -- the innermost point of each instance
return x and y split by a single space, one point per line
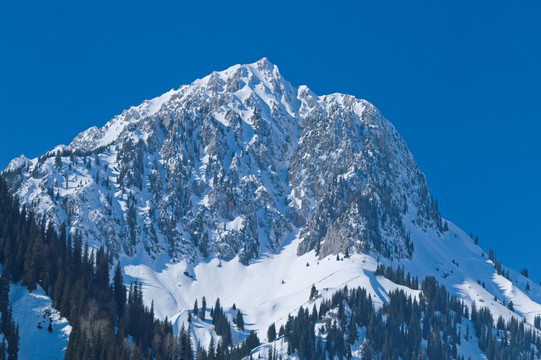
264 63
238 76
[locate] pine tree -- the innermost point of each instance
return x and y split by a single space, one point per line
203 308
13 342
7 321
201 354
271 333
537 322
4 298
510 306
313 292
195 308
119 290
251 342
239 320
446 227
211 352
3 349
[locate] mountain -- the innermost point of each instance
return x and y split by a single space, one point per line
245 188
235 164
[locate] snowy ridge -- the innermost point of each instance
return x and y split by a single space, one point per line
234 164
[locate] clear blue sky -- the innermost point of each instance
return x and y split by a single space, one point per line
461 80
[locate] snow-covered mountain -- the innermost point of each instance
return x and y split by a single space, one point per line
244 187
235 164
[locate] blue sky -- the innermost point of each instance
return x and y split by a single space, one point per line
460 80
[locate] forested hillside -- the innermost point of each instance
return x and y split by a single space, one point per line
77 279
110 322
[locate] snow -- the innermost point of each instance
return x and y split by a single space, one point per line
235 225
463 268
18 162
389 286
274 286
111 133
269 289
257 290
31 309
152 106
522 304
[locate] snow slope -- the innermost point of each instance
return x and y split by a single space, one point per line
32 310
277 285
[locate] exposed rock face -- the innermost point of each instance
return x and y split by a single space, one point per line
235 164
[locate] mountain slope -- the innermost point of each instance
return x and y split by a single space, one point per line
33 311
275 286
